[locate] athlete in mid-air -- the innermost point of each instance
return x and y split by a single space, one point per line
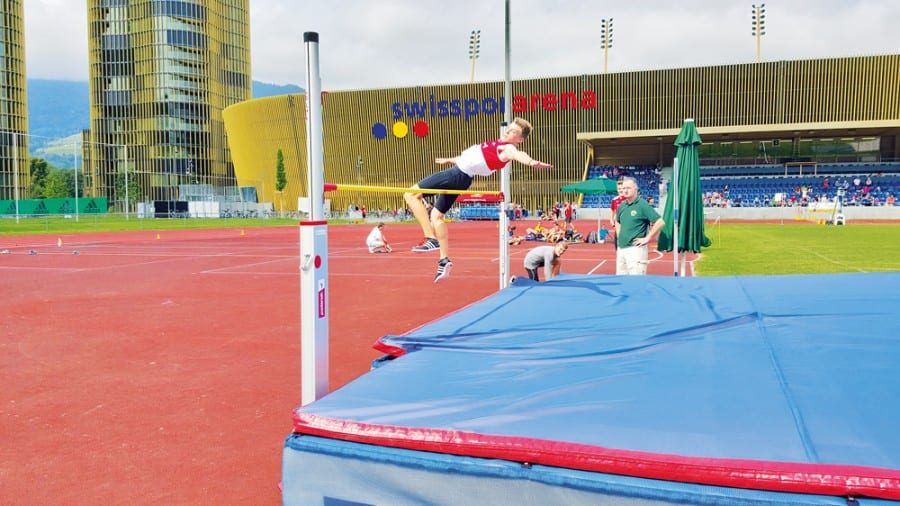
477 160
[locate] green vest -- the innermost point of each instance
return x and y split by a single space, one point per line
635 220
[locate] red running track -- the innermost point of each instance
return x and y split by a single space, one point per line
161 367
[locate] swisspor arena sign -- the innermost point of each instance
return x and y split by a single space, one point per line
468 108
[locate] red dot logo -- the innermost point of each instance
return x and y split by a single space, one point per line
420 129
318 261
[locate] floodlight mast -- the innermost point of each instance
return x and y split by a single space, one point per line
606 39
474 49
758 19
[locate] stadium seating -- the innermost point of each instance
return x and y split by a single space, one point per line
756 185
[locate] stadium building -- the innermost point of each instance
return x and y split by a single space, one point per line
783 114
15 176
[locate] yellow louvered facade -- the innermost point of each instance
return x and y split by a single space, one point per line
15 176
624 118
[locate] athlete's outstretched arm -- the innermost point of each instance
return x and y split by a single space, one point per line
510 152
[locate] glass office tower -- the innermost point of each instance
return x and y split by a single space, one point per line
161 73
14 174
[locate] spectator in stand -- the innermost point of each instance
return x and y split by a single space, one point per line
889 200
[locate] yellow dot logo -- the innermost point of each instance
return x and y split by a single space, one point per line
400 129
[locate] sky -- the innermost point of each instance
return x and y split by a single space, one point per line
397 43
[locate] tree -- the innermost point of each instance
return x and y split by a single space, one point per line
134 192
39 170
59 184
280 177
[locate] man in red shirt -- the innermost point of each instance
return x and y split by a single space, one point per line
618 199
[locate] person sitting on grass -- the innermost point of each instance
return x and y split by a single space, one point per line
571 234
535 233
556 234
514 239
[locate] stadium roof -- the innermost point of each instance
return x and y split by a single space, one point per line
618 145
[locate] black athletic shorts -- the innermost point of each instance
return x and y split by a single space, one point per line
447 179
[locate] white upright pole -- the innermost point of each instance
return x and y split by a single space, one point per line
675 215
15 166
126 180
314 149
314 243
75 159
504 174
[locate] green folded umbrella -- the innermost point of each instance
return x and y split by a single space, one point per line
689 197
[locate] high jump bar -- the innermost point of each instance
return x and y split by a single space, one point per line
330 187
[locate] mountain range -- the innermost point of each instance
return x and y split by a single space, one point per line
59 110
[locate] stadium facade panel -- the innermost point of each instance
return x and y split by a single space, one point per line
390 137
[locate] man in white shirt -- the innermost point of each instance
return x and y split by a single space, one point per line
376 241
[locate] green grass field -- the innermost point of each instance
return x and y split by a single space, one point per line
737 249
799 248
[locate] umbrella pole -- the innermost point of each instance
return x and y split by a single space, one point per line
675 216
